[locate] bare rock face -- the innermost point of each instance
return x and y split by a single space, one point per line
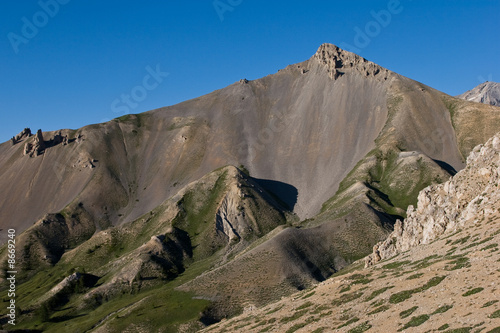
39 143
486 93
67 283
25 133
337 61
37 147
470 196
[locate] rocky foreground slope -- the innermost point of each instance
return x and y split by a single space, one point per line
438 272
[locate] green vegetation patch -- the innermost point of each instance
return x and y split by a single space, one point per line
478 243
319 330
361 328
491 246
406 294
431 283
379 309
442 309
473 291
459 263
349 322
378 303
295 327
377 292
276 309
309 295
320 308
196 212
300 325
443 327
459 330
396 264
345 289
266 329
461 241
424 263
305 306
346 298
293 317
407 313
490 303
360 279
400 297
495 314
415 321
414 276
495 330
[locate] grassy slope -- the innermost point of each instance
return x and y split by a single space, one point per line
155 303
447 285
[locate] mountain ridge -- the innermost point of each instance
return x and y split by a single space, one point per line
169 191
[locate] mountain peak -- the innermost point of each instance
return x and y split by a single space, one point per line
339 61
487 92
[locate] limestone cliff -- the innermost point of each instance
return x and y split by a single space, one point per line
470 196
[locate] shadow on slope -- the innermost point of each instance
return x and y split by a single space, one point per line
451 170
284 193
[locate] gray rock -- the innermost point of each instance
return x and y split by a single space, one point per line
37 147
471 195
486 93
25 133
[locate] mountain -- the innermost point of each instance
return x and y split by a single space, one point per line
228 201
487 93
439 269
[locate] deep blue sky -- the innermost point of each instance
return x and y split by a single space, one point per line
80 61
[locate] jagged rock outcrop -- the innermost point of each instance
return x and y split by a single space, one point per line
470 196
25 133
337 61
39 144
37 147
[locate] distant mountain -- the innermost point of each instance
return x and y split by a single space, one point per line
487 93
181 216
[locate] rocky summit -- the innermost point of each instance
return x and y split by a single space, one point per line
181 217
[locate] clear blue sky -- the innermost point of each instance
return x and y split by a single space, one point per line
74 67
